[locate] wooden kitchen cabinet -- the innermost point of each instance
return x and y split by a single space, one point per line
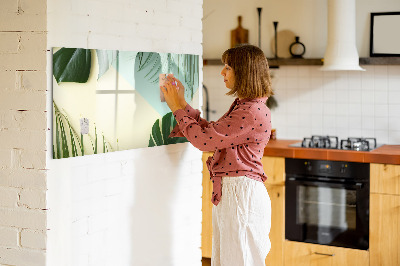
385 178
384 236
206 232
274 168
306 254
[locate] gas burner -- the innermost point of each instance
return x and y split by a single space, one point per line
327 142
358 144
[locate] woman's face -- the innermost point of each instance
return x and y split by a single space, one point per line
229 76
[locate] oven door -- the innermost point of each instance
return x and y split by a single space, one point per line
327 213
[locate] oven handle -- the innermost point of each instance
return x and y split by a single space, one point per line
357 185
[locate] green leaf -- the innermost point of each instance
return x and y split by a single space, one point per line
105 59
166 127
168 122
156 132
72 65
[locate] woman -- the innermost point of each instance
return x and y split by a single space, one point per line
242 209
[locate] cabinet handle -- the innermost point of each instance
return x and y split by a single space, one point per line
325 254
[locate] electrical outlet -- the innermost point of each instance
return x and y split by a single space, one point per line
84 126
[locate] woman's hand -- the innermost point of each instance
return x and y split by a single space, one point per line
172 95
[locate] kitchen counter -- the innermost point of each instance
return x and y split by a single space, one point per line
389 154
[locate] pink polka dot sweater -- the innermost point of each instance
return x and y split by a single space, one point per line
238 139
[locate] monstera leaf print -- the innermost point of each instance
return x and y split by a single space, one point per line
72 65
159 135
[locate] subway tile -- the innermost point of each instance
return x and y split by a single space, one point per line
382 136
380 71
380 97
342 109
355 96
394 110
342 122
394 137
367 96
291 71
380 84
355 122
394 83
355 132
292 83
381 110
367 110
355 109
304 72
394 70
303 82
381 123
394 97
342 96
329 109
394 123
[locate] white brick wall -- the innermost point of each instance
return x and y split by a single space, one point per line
23 132
134 207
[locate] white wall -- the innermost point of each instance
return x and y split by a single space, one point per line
23 133
305 18
134 207
313 102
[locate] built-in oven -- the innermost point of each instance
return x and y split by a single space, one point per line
327 202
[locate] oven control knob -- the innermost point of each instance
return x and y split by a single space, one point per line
343 168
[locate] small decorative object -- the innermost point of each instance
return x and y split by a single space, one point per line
239 35
273 134
259 26
297 49
383 39
276 38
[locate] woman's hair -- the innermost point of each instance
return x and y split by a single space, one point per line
250 66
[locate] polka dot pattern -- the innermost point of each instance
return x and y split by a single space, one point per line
238 139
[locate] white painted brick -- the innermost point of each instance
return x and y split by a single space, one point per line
33 7
17 256
7 79
23 178
8 197
155 32
33 239
9 237
24 139
9 42
31 56
24 21
23 218
98 222
8 6
31 80
190 22
35 120
33 199
33 159
5 158
23 100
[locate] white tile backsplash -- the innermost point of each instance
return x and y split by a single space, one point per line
343 103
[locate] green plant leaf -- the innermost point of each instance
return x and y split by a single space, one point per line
72 65
156 132
168 122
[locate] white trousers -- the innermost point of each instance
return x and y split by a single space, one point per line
241 223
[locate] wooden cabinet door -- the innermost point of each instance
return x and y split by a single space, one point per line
385 178
305 254
277 233
206 232
274 168
384 236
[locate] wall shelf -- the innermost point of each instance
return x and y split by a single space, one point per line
274 63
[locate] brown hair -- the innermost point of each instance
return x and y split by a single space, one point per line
250 66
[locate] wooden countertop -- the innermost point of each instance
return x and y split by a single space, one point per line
389 154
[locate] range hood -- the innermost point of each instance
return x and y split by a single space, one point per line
341 51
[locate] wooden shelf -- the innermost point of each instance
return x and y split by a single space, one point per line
273 63
380 61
